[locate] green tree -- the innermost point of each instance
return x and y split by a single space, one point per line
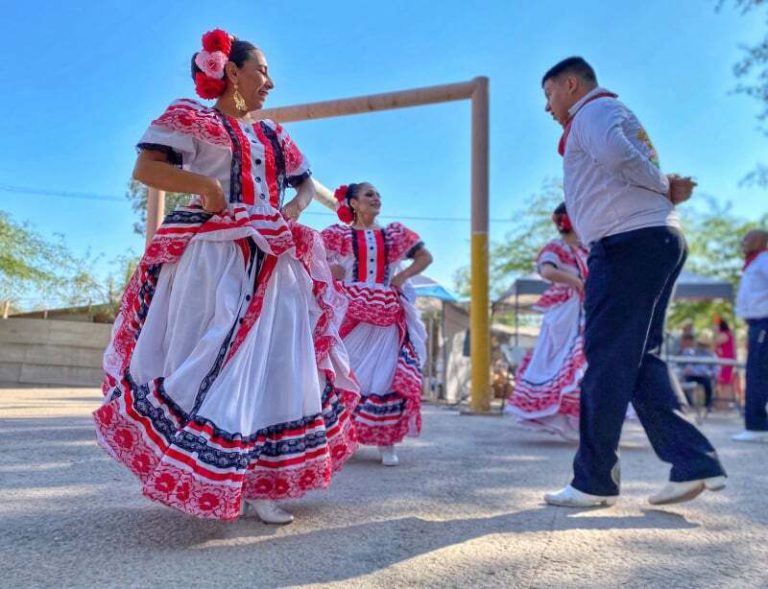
712 230
531 229
714 236
752 73
137 194
26 260
39 273
514 256
75 284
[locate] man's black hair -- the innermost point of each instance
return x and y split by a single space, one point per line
573 65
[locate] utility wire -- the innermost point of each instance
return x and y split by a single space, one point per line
111 198
59 193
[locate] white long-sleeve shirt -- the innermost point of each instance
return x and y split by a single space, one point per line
612 180
752 297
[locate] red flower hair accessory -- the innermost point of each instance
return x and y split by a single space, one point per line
343 210
210 81
207 87
563 222
217 40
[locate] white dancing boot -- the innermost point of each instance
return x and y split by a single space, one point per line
268 511
388 456
572 497
685 491
756 437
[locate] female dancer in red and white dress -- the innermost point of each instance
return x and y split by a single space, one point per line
382 329
226 380
725 347
547 383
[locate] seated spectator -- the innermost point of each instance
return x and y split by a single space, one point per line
700 373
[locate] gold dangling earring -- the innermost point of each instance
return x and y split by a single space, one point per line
239 101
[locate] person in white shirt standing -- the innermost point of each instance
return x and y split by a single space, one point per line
752 306
622 206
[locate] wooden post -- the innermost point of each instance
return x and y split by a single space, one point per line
480 349
155 211
371 103
477 91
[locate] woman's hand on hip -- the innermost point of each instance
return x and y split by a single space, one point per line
214 200
294 207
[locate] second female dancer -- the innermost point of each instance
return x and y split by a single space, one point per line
382 330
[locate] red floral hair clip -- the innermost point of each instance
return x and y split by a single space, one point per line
563 222
343 210
210 81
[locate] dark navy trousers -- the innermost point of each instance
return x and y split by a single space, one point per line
630 282
756 394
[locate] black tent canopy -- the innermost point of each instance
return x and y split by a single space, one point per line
690 286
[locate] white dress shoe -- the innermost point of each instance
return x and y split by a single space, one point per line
569 435
751 436
269 512
687 490
388 456
571 497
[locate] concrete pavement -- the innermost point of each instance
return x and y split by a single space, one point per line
464 509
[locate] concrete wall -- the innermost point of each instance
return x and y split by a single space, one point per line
457 367
49 352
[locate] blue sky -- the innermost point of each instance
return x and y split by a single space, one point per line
83 80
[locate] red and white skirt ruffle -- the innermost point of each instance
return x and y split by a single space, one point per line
226 378
385 339
547 382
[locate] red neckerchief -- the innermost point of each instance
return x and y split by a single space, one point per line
751 258
567 129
